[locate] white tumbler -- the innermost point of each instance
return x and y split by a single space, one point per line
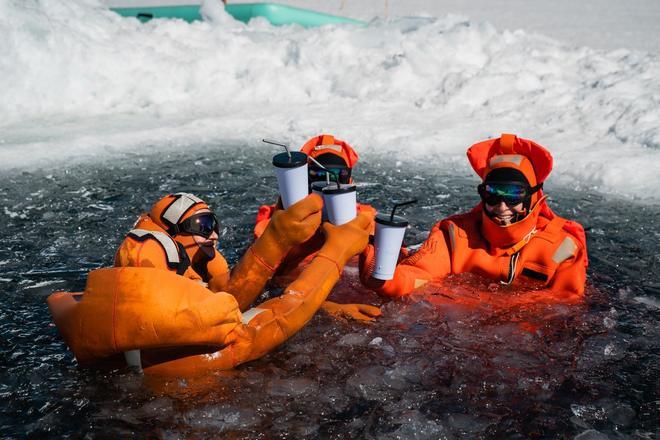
340 202
317 188
387 243
291 177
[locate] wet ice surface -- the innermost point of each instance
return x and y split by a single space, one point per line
424 370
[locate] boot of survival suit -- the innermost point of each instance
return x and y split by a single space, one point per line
285 230
180 327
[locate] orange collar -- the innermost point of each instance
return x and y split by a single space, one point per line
513 237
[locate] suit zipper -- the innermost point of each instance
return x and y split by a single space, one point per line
513 262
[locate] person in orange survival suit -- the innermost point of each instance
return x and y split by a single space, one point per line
180 234
340 158
512 236
153 312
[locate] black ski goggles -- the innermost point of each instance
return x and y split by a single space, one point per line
511 193
204 224
341 173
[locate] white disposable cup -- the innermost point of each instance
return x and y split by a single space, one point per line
387 243
317 188
340 202
291 177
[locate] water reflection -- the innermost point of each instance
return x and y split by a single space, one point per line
426 369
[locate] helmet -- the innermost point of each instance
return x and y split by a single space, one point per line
173 209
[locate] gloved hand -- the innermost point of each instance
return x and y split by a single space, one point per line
298 223
359 312
343 242
285 230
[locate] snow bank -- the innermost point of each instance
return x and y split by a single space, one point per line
79 81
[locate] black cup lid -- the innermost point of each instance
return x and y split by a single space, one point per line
343 188
397 222
318 186
296 160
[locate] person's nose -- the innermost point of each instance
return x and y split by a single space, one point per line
501 206
214 236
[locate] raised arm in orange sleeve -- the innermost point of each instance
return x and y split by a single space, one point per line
431 261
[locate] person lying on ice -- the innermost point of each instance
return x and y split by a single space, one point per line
512 236
154 305
340 158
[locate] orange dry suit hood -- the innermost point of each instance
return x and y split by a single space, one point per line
332 152
523 157
328 144
171 210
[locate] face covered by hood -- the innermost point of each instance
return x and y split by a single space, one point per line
334 154
172 211
513 160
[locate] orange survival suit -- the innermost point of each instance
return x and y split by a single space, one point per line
153 242
320 147
169 324
544 252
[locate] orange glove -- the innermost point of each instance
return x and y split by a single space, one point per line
286 229
358 312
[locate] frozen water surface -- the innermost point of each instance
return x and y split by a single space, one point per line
424 370
101 116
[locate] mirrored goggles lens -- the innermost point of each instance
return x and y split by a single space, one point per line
510 193
201 224
316 174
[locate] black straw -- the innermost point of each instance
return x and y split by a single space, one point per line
409 202
279 144
327 171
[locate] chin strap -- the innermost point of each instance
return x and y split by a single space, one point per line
528 202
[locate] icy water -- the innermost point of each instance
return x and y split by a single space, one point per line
422 371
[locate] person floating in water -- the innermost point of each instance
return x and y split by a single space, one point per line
180 234
338 158
511 237
153 310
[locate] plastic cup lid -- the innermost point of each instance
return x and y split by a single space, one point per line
318 186
297 159
343 188
397 222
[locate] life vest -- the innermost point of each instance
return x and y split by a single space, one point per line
175 255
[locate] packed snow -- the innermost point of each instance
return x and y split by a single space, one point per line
81 83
